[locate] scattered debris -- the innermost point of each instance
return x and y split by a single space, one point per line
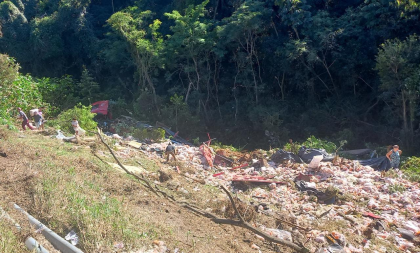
356 194
72 237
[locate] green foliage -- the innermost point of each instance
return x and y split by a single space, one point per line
196 141
218 145
81 113
144 107
9 123
145 42
8 74
16 90
249 71
120 107
398 65
155 134
178 115
313 142
60 93
88 88
396 188
411 166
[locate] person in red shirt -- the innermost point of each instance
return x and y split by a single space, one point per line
25 121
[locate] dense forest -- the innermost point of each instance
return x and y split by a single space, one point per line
251 73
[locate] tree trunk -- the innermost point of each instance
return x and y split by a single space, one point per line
190 84
404 108
216 71
151 85
412 108
281 85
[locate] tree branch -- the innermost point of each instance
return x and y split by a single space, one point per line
244 224
122 166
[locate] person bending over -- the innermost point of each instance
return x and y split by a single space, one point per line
25 121
170 150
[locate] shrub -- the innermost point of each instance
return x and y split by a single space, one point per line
83 115
120 107
411 168
16 90
60 93
155 134
397 188
313 142
412 164
8 123
218 145
178 116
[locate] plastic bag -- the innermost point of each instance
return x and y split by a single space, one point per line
60 135
32 112
72 237
314 164
307 154
281 156
282 234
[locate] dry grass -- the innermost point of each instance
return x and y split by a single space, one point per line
4 134
10 241
225 208
67 188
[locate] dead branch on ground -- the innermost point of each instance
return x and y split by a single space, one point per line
148 185
242 223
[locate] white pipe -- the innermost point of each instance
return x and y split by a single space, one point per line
57 241
30 242
34 246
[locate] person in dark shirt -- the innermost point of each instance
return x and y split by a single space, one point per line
38 120
170 150
25 121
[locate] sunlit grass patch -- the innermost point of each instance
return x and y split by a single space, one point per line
9 241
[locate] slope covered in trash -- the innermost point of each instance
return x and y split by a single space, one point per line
344 206
67 188
336 206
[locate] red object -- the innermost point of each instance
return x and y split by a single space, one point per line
218 174
101 107
240 166
205 150
209 141
26 123
371 215
177 169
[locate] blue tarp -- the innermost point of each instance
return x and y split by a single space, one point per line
381 163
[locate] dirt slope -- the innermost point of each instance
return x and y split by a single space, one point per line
68 188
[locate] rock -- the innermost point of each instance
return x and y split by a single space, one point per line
253 246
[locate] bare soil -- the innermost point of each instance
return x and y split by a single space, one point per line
34 160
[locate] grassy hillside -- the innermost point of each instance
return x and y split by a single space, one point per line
67 188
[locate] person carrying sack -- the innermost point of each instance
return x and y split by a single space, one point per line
78 131
38 120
